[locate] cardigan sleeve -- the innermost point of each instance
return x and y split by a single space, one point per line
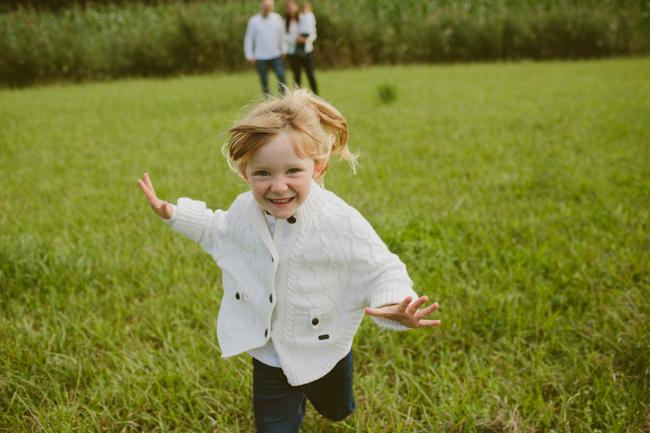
383 275
193 219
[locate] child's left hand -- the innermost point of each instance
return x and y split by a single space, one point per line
407 313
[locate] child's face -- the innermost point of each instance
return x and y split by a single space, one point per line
279 178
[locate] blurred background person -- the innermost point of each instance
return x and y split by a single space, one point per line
263 45
300 28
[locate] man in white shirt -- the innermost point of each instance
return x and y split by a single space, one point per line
263 44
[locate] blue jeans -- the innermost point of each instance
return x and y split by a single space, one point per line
280 407
263 71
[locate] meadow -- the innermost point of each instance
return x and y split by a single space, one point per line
517 194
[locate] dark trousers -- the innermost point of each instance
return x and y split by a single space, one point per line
306 62
263 71
280 407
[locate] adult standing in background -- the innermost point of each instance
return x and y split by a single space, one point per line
264 44
300 28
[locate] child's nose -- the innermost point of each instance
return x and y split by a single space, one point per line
279 184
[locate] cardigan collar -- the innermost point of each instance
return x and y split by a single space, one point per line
255 216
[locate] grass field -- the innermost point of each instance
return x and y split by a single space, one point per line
518 195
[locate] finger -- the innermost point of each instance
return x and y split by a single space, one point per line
151 196
376 312
402 305
145 189
166 210
413 306
428 310
428 323
147 179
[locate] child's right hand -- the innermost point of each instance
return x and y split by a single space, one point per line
161 207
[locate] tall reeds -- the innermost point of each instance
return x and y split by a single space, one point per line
81 42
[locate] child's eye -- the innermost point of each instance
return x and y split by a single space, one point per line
294 170
261 173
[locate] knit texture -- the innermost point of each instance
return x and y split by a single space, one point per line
311 301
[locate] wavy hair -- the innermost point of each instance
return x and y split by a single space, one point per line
317 128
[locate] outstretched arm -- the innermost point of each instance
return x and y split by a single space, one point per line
160 207
407 312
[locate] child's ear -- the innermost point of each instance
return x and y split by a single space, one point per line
319 169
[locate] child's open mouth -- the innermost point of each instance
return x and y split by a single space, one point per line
281 201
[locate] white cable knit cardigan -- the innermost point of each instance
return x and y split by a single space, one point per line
311 301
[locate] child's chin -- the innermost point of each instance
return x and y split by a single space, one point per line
280 214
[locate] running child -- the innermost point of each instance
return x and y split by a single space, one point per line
300 267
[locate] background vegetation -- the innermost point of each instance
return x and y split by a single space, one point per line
518 195
96 41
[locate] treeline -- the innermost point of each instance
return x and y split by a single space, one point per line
133 39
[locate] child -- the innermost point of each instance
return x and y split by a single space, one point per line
306 28
299 265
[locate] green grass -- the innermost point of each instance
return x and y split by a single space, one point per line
518 195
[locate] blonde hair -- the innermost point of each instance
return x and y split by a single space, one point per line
317 128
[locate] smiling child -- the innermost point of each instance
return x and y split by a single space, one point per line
300 267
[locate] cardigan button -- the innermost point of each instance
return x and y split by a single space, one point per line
271 299
314 321
237 296
266 332
291 219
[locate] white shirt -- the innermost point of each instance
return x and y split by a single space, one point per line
267 353
264 37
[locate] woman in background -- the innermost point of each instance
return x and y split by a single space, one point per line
300 32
